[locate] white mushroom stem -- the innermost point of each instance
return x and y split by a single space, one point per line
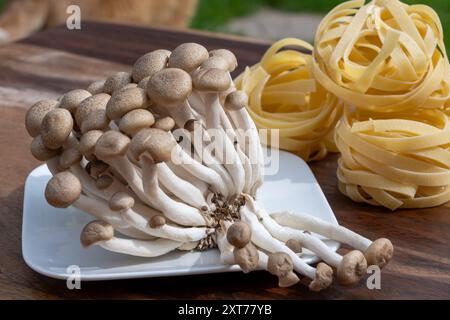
378 252
176 211
263 260
181 113
199 138
244 159
263 239
115 187
100 210
140 248
319 226
180 157
88 183
225 248
225 150
216 119
165 231
197 104
308 241
130 173
181 188
185 175
89 187
247 169
188 246
252 146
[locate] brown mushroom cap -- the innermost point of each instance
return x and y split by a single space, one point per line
125 101
96 87
236 100
128 86
323 278
188 56
112 143
116 82
96 119
155 142
288 280
157 221
169 86
279 264
352 268
104 182
247 257
121 201
70 157
40 151
36 114
166 124
143 83
136 120
96 167
88 142
72 99
215 62
380 252
56 128
149 64
63 189
239 234
226 55
95 232
95 102
211 80
295 245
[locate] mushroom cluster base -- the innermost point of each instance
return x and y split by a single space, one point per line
168 156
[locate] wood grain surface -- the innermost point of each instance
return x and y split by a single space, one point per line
57 60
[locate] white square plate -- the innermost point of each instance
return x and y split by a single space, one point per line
50 236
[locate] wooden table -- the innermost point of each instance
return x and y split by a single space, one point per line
57 60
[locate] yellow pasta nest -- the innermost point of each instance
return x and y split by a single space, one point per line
396 163
384 56
283 95
387 62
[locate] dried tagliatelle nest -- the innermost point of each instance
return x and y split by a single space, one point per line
168 156
283 95
386 60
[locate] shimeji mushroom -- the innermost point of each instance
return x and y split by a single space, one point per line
350 268
378 252
152 147
168 156
64 189
102 233
157 225
169 89
36 114
211 82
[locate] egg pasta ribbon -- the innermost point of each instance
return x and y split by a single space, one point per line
373 170
386 60
284 95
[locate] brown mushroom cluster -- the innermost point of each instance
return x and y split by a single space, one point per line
135 152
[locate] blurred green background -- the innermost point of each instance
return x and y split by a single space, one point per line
212 15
